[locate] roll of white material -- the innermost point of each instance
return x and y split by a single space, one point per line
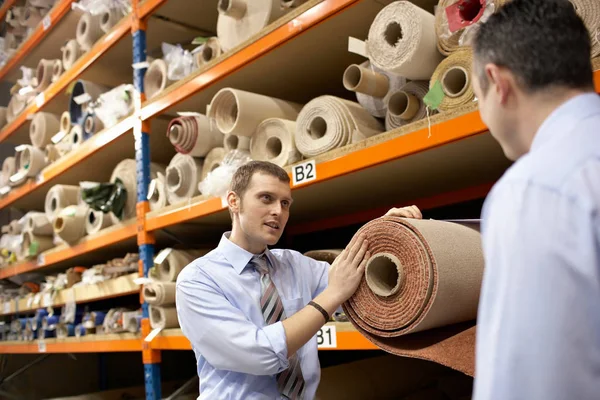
235 142
16 106
156 78
71 53
9 168
30 17
95 221
274 141
76 136
402 40
44 73
69 225
109 18
2 117
173 262
57 70
126 172
239 113
159 293
157 193
182 178
193 136
32 244
373 86
38 224
212 161
59 197
163 318
406 105
239 20
210 51
65 122
88 31
43 126
328 122
30 161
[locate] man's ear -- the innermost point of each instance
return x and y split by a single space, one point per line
501 80
233 202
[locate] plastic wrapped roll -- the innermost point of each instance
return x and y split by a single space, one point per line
96 220
30 16
239 20
69 225
83 91
32 245
328 256
109 18
406 105
328 123
157 193
88 31
156 78
169 262
38 224
57 70
239 113
372 86
402 40
44 73
193 136
30 161
182 178
43 126
210 51
71 53
2 117
212 161
163 318
91 125
454 74
59 197
235 142
159 293
274 141
126 172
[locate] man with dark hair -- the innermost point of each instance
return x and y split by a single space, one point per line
252 313
538 333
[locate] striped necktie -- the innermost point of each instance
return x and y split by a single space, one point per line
290 382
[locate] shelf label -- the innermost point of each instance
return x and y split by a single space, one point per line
39 178
40 99
152 335
58 137
327 337
41 346
162 256
82 98
46 22
304 172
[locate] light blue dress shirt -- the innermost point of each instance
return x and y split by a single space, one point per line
538 331
218 304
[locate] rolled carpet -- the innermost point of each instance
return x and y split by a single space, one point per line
43 126
30 161
157 193
212 161
65 122
163 318
328 122
454 76
9 168
37 223
88 31
235 142
589 11
210 51
402 40
57 70
172 261
156 78
69 224
30 16
59 197
192 135
274 141
52 153
96 220
109 18
422 274
160 293
71 53
406 105
32 244
83 91
328 256
44 72
182 177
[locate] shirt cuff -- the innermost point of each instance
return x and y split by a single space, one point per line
276 335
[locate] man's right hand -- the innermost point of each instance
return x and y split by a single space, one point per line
348 269
405 212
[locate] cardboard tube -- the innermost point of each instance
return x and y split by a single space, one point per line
71 53
65 122
455 81
110 18
156 78
33 244
57 70
43 126
274 141
59 197
235 142
363 80
44 72
406 105
69 225
235 9
182 178
88 31
30 161
38 224
159 293
163 318
403 105
95 221
192 135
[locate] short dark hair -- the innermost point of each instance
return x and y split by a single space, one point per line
543 42
241 178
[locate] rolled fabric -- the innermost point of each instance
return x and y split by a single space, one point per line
239 20
328 123
156 78
96 220
173 262
69 225
32 244
127 173
239 113
182 177
16 106
51 154
43 126
59 197
91 124
406 105
9 168
65 122
402 40
109 18
81 88
373 86
76 136
44 72
274 141
71 53
163 318
157 193
235 142
160 293
212 161
88 31
57 70
421 275
193 136
210 51
132 322
30 17
14 227
38 223
589 11
30 161
2 117
454 74
328 256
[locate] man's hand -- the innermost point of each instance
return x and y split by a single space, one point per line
348 268
405 212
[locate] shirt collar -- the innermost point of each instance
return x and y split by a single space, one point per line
237 256
565 117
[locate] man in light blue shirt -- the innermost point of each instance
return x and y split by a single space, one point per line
538 330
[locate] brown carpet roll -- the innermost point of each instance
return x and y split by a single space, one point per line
323 255
163 318
160 293
172 261
422 274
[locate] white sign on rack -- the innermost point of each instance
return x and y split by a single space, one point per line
7 307
327 337
304 172
46 22
41 346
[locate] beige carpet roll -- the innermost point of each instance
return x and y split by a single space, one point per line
92 124
59 197
71 53
235 142
328 122
132 322
76 136
402 40
38 224
2 117
57 70
163 318
589 11
88 31
30 161
239 20
212 161
44 73
126 172
274 141
16 106
51 154
157 193
110 18
239 113
69 224
156 78
96 220
65 122
33 244
30 16
14 227
159 293
173 262
193 136
406 105
43 126
328 256
182 177
454 75
372 86
210 51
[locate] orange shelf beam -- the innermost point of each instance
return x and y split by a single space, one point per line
71 346
5 7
